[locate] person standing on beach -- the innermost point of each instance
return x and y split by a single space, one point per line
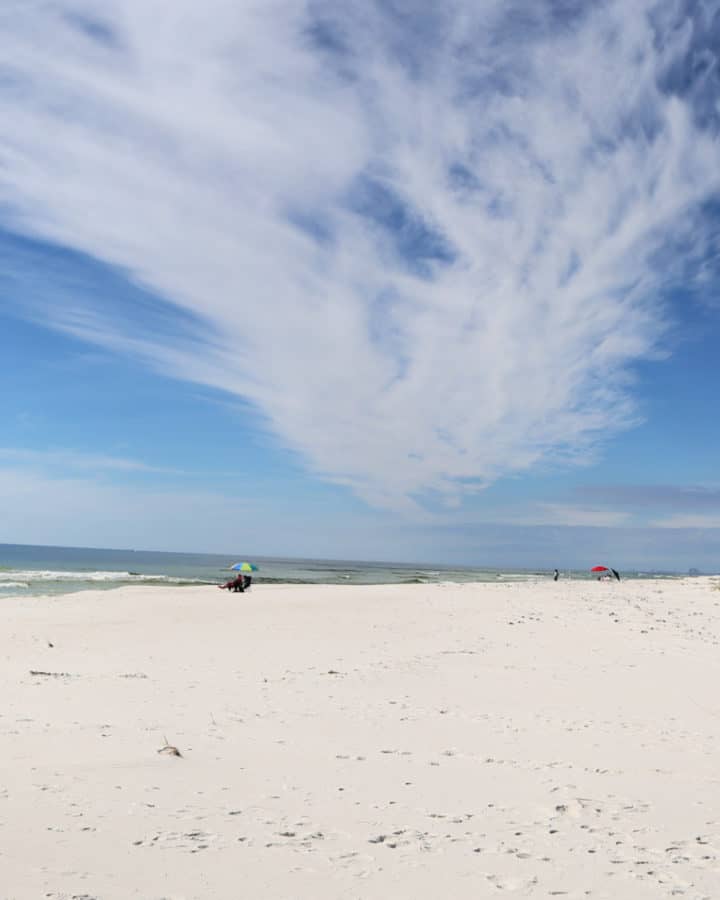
556 575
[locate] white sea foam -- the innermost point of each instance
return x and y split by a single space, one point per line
6 585
17 576
520 576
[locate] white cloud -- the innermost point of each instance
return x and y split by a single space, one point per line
73 459
538 514
688 520
234 159
559 514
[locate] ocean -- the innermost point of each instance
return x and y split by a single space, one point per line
30 571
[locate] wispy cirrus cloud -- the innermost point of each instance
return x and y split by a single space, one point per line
573 516
701 521
675 498
76 460
444 236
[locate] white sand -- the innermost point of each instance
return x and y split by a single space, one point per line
363 742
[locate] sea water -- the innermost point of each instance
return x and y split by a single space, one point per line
29 571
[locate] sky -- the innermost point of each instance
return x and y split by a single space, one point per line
370 281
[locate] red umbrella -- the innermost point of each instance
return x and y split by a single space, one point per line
599 569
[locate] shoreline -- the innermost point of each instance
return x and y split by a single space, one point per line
410 741
160 582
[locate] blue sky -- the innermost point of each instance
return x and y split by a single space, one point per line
400 285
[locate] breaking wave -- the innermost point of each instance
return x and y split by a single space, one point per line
26 578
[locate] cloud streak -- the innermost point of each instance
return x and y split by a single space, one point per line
642 497
699 521
72 459
428 246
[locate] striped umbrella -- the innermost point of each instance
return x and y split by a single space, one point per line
244 567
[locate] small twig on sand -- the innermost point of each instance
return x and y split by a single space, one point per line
169 749
52 674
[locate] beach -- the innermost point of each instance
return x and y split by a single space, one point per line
402 741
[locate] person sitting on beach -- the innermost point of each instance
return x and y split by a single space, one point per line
247 581
235 584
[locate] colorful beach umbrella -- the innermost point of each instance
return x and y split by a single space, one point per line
606 569
244 567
